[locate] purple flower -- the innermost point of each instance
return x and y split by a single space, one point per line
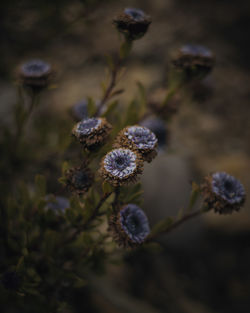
120 163
228 187
142 137
134 223
35 68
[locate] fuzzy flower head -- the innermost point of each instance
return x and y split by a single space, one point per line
158 127
140 139
130 227
35 74
132 23
121 166
92 132
223 192
79 179
194 60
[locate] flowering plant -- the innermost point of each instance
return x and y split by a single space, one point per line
51 241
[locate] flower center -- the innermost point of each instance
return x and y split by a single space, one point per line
121 162
229 187
80 179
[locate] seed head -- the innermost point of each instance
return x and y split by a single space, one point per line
130 226
223 192
132 23
121 167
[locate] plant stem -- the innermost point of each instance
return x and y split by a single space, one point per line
22 122
124 51
96 210
179 222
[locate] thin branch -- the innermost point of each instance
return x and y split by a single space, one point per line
110 88
96 210
179 222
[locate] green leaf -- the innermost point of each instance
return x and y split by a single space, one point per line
111 107
132 115
110 62
143 98
40 182
162 226
194 196
106 188
91 107
125 48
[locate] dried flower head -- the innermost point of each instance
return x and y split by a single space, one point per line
92 132
121 167
159 128
140 139
130 226
57 204
35 74
132 23
194 60
79 179
223 192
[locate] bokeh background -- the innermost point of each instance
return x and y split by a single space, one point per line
204 265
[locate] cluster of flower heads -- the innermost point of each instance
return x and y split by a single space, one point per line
194 61
92 132
129 226
123 164
140 139
79 179
132 23
223 193
35 74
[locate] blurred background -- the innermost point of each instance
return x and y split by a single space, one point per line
204 265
